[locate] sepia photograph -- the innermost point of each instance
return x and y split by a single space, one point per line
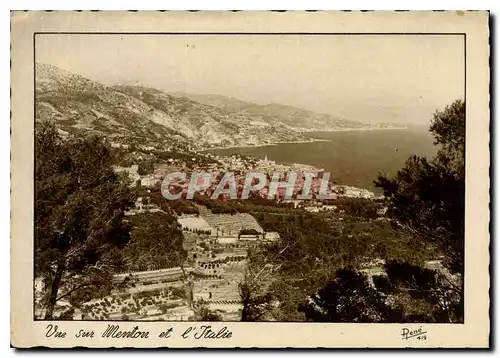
256 177
383 115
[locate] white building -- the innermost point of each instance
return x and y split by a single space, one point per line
271 236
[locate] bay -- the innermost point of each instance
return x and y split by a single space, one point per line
352 157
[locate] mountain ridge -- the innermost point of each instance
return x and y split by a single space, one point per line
142 114
294 118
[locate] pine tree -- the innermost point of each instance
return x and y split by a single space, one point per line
428 196
79 214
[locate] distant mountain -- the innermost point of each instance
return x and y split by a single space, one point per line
135 114
299 120
215 100
209 124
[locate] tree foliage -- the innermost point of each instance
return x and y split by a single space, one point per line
79 214
156 242
404 293
349 297
428 196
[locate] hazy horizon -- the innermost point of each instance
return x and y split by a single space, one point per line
381 78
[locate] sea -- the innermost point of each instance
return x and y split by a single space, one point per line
353 158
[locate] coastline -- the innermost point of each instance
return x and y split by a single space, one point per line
361 129
311 140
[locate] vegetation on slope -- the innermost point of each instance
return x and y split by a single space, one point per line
320 270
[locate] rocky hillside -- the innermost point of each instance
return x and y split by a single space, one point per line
79 105
296 119
209 124
133 114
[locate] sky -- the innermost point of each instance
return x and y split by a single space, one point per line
372 78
